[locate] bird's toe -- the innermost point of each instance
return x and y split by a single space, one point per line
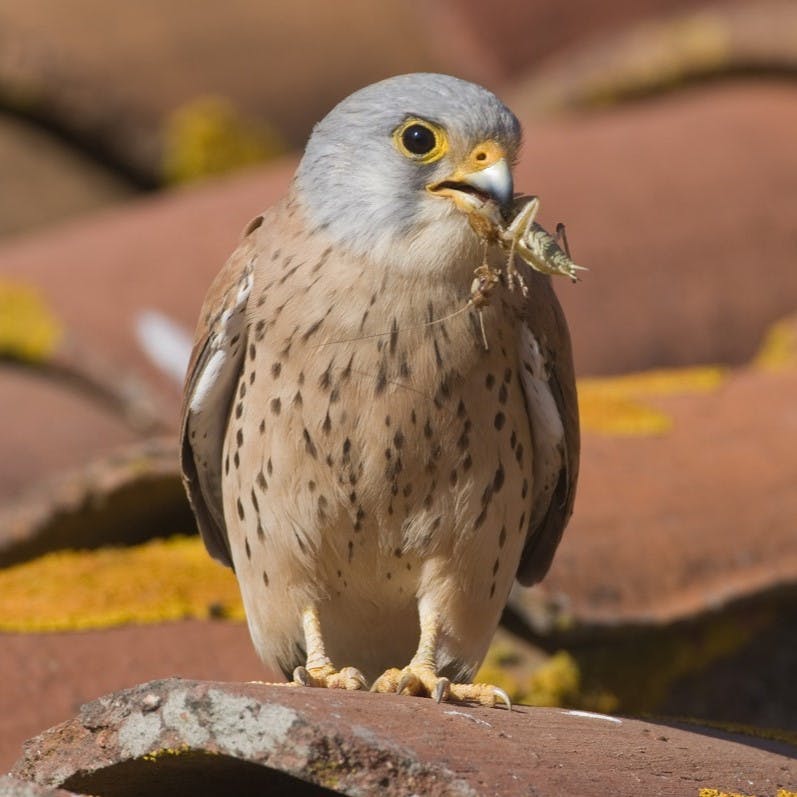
485 694
327 677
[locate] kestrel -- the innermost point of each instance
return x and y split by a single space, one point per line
376 457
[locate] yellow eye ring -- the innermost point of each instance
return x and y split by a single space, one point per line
421 141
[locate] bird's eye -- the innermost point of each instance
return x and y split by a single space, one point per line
420 140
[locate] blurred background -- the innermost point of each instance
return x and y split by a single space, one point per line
136 141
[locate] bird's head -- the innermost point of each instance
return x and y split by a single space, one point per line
394 171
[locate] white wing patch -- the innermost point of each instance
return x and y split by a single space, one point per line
207 379
547 430
212 396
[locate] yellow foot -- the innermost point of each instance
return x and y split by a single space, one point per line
328 677
425 682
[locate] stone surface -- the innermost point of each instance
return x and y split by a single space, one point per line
46 677
208 735
663 52
49 427
44 180
11 787
522 33
130 496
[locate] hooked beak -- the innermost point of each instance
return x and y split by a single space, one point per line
483 177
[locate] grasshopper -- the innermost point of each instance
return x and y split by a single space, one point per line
534 245
527 239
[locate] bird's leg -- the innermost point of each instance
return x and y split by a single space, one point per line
319 669
420 676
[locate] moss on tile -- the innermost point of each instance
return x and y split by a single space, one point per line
158 581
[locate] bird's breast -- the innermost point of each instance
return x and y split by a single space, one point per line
382 426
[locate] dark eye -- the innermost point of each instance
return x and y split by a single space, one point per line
419 139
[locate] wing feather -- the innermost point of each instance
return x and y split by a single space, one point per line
213 373
549 387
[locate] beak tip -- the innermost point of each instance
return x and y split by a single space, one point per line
495 180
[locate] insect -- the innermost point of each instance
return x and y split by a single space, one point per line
527 239
534 244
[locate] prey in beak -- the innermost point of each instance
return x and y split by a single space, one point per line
481 187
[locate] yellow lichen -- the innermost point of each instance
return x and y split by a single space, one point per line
29 330
779 349
208 136
614 405
155 755
530 681
556 683
704 792
620 417
158 581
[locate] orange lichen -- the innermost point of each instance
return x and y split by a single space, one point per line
532 679
704 792
209 136
170 752
29 330
158 581
615 405
779 349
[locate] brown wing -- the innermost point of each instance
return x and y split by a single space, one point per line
213 373
550 389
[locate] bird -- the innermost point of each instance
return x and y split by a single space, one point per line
377 458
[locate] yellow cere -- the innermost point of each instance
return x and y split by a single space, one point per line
157 581
616 406
29 330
